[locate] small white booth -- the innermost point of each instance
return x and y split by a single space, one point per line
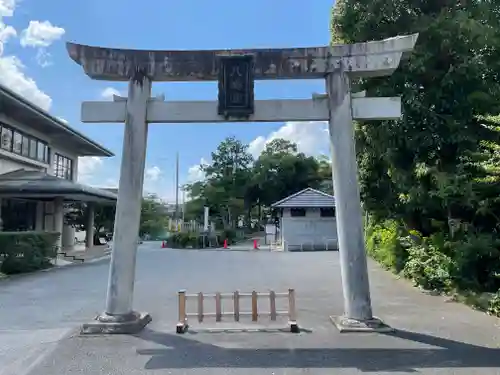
307 221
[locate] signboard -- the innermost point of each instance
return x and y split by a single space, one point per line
236 77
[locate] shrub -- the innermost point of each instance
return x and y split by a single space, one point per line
477 260
228 234
428 267
383 244
183 240
494 305
26 251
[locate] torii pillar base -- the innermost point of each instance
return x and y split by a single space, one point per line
346 325
106 324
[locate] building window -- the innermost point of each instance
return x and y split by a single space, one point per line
25 145
327 212
297 212
41 151
6 138
46 156
17 147
33 148
63 167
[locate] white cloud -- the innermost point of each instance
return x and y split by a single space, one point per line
12 69
7 8
195 173
108 93
43 58
12 75
40 34
88 167
311 138
153 174
6 33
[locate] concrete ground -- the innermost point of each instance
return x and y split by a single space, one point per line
40 315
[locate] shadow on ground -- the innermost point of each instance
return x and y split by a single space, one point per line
181 352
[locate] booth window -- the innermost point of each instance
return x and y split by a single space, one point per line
327 212
297 212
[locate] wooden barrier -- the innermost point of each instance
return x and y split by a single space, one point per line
200 314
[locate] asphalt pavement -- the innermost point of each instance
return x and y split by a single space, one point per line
40 315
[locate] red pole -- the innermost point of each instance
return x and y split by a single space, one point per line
225 243
255 245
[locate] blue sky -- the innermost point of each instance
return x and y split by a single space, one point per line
34 62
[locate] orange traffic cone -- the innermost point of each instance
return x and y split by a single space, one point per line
163 244
255 245
225 243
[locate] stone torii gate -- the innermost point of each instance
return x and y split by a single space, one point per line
236 70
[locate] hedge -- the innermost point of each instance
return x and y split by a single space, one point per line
22 252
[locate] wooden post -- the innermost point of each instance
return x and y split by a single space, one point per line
182 324
291 305
292 315
272 303
218 307
254 306
200 307
236 301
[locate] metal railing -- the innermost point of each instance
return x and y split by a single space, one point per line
311 245
201 314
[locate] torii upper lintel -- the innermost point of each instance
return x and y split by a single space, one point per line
362 59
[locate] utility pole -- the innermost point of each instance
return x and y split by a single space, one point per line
183 203
176 188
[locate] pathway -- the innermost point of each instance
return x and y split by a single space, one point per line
39 315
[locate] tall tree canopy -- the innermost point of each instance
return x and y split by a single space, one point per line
431 163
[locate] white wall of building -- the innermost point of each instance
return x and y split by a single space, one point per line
10 162
311 231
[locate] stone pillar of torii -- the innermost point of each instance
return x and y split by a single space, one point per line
338 65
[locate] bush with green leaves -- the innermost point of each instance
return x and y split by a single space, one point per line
183 240
383 244
428 267
494 305
228 234
27 251
477 259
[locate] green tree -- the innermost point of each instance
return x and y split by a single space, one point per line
325 174
154 219
281 170
227 179
425 167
